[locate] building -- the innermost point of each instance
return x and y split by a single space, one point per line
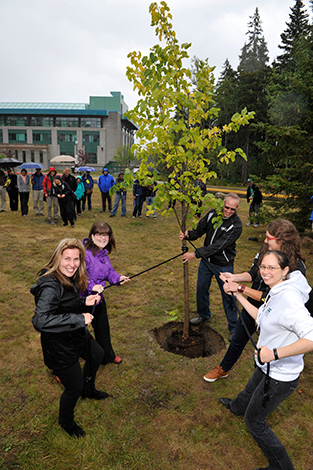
37 132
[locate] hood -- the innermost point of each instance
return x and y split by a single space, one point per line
52 169
79 178
295 282
105 169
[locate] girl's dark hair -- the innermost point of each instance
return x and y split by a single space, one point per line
100 227
282 258
290 240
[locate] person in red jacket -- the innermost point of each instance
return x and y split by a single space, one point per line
50 195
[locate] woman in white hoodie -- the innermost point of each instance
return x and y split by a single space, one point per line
286 333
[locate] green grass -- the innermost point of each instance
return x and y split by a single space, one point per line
162 415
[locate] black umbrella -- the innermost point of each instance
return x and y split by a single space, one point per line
9 162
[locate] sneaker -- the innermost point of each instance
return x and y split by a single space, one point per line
117 360
216 373
198 320
249 223
256 225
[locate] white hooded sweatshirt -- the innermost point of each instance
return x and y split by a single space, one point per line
283 319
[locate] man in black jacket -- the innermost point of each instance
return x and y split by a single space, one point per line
217 255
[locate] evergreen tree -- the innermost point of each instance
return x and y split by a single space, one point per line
297 27
253 75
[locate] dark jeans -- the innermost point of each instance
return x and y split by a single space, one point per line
78 206
118 198
24 198
75 380
101 328
249 404
106 196
205 274
88 197
138 206
238 341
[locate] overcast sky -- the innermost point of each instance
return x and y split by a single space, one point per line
68 50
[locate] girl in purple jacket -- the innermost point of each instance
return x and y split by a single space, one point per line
99 244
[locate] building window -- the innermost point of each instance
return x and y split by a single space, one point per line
32 156
40 157
2 120
17 136
41 121
16 154
1 136
90 122
17 121
66 121
42 137
24 156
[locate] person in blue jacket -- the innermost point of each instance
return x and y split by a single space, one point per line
105 183
88 183
36 180
80 191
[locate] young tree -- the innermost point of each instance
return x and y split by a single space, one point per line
125 156
172 114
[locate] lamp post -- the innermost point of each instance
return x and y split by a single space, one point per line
76 156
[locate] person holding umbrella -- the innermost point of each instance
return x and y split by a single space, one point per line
23 184
3 179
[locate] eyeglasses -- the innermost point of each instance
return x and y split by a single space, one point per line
271 238
269 268
102 235
230 208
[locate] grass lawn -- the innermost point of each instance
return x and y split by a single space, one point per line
163 415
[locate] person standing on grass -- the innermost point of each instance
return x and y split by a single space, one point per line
79 193
37 180
12 190
219 250
286 333
3 179
105 183
99 244
64 194
23 184
120 195
49 192
254 198
61 316
280 235
88 183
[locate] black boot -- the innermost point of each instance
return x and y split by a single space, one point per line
94 393
73 429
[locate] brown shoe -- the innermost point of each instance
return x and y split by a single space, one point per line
217 373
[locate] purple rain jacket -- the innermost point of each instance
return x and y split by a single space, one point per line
99 269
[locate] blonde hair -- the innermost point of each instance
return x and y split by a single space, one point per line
52 267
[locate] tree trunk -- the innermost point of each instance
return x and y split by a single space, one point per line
186 279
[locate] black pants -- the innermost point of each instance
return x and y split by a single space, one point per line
106 196
101 328
24 197
13 196
75 380
66 210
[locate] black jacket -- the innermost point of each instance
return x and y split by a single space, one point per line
63 188
257 195
220 243
58 317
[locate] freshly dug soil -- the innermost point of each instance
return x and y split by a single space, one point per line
202 342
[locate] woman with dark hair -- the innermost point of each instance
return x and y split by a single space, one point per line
280 235
99 245
61 316
286 333
23 184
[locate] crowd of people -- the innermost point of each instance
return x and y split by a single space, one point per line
69 295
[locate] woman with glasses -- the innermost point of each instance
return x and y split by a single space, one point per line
280 235
286 333
99 245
